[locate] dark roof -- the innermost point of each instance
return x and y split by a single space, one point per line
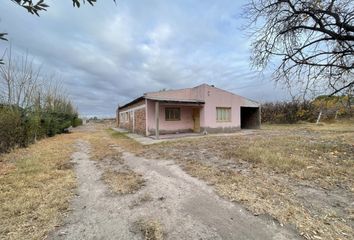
132 102
169 100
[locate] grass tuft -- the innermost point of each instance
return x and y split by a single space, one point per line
151 229
123 182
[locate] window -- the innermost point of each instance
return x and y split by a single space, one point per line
223 114
172 114
124 117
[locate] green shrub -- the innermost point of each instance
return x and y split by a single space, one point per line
19 127
10 128
76 121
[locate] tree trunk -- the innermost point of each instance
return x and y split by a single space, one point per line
319 117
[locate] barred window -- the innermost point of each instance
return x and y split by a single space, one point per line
172 114
223 114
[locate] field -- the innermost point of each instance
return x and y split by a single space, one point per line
300 176
36 185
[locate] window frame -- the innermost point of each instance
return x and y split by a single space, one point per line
229 109
167 118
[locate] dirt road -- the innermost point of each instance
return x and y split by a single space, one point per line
186 207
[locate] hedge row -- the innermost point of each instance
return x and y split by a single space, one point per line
295 111
19 128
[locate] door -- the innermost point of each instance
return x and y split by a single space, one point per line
196 119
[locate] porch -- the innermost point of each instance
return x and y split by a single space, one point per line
171 118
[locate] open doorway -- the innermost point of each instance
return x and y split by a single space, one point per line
250 118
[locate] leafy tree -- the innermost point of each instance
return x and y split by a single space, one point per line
34 7
310 41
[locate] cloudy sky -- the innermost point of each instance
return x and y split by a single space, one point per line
109 54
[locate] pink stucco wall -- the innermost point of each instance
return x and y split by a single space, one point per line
213 98
186 123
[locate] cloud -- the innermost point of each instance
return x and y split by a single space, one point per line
109 54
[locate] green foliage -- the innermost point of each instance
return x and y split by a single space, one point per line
76 121
19 127
34 7
10 126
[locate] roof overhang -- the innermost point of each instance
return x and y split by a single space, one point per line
171 100
132 102
164 100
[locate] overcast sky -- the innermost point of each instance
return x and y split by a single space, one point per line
108 54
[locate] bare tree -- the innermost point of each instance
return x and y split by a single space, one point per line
311 42
19 80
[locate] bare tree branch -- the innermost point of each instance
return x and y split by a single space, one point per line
312 42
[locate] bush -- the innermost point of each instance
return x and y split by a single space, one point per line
291 112
76 122
19 127
10 127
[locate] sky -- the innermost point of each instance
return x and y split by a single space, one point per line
110 54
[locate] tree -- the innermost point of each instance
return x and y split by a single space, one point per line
32 105
35 7
311 42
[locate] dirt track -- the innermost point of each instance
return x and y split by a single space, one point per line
187 207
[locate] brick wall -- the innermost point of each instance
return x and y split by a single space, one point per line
139 119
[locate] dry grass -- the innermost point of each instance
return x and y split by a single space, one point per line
103 145
107 144
35 187
264 195
151 229
125 142
123 182
301 174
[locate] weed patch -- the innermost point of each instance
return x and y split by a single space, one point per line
123 182
150 229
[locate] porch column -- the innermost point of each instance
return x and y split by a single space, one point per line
157 116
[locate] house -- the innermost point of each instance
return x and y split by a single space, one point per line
201 109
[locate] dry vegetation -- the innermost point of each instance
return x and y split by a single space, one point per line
35 187
106 145
150 229
301 174
123 182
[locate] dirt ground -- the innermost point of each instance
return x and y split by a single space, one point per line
302 175
173 204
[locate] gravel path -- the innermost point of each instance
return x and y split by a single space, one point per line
186 207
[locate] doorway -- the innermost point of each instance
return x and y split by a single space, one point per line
250 118
196 120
